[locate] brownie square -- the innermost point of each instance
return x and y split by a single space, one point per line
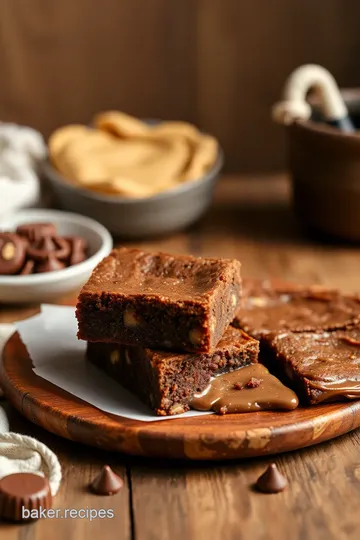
322 366
167 381
159 301
271 307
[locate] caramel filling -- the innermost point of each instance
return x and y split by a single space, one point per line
251 388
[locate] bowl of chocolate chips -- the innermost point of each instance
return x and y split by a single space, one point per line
47 253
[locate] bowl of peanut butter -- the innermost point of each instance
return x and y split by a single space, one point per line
137 178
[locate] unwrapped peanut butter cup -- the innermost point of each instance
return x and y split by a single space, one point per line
23 495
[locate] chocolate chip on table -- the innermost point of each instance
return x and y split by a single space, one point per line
35 231
49 245
271 481
107 482
21 493
12 253
50 264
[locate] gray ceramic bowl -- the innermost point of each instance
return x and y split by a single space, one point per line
164 213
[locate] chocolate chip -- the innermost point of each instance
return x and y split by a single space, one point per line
254 382
20 492
107 482
78 247
35 231
49 245
12 253
50 264
271 481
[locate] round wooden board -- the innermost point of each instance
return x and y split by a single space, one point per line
207 437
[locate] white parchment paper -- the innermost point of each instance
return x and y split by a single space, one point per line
59 357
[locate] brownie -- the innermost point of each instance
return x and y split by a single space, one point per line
167 381
161 301
322 366
274 308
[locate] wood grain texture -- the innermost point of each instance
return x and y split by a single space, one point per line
218 64
210 437
202 501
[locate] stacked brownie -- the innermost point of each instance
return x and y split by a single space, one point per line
160 324
309 337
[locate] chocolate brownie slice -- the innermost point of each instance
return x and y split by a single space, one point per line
167 381
322 366
159 301
274 308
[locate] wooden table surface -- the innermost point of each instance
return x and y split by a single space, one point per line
251 220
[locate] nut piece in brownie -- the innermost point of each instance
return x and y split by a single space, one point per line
167 381
274 307
322 366
159 301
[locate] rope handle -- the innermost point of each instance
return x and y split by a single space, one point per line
51 463
294 105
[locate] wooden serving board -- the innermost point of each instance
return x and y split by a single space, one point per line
210 437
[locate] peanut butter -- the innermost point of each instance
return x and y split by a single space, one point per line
123 156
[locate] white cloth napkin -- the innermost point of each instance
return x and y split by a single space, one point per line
20 453
21 150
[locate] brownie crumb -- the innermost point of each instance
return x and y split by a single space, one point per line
254 382
238 386
223 410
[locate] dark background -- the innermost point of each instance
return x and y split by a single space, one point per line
217 63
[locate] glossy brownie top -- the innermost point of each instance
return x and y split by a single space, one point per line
329 360
269 308
177 277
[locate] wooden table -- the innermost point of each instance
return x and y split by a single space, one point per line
250 220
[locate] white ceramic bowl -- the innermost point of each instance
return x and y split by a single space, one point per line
47 286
